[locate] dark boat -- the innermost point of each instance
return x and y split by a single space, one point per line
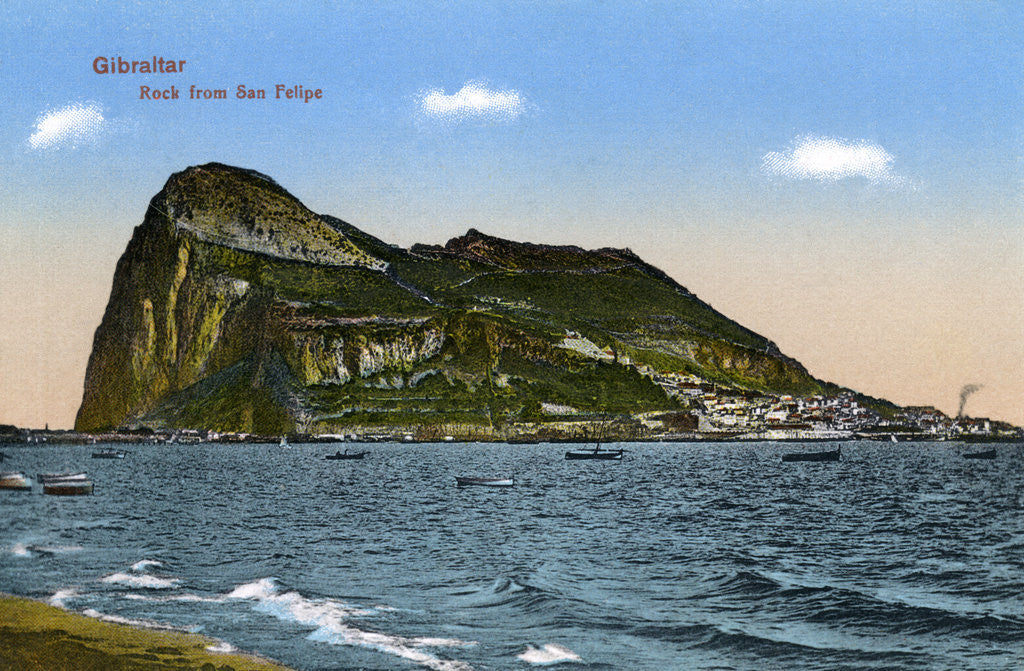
346 455
72 487
829 455
596 453
987 454
484 482
109 454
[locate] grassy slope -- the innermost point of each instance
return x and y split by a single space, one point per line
605 297
35 636
229 400
337 289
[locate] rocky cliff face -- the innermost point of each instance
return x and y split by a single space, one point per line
234 307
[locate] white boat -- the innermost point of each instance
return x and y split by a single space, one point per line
14 480
53 477
109 453
484 482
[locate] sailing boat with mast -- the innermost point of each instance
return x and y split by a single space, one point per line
598 452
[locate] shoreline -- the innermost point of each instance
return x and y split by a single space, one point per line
37 636
53 440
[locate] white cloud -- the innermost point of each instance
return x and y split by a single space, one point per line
69 126
473 101
829 159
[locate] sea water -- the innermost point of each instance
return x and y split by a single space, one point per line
681 556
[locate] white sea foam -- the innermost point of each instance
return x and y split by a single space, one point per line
222 646
142 581
549 653
195 598
117 619
21 550
187 598
61 596
145 565
260 589
328 618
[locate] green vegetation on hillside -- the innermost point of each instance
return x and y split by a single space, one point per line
605 297
336 289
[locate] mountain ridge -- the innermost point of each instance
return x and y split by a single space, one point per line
327 327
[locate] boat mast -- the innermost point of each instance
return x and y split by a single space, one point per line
600 432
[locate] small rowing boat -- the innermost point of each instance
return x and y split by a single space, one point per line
109 454
65 484
72 487
986 454
14 480
602 455
484 482
50 477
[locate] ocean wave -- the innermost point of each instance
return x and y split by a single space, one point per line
937 576
548 654
757 584
60 597
943 611
781 645
523 596
793 640
328 619
895 611
143 581
145 564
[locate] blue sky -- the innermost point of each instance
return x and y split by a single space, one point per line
782 145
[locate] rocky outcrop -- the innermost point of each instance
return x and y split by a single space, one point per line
245 210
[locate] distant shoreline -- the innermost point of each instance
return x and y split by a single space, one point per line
44 438
35 635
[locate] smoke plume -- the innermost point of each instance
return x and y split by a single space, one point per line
966 391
